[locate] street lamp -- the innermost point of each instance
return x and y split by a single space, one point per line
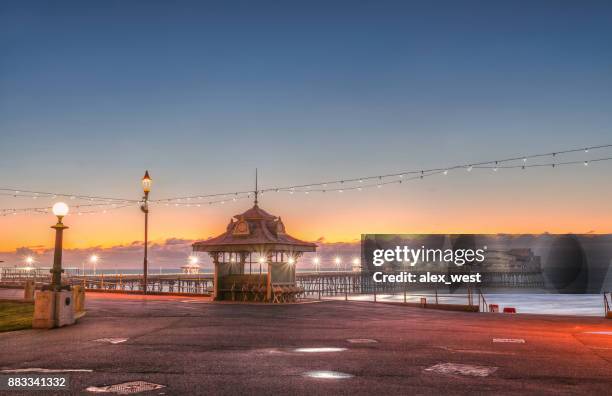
337 261
60 209
147 182
316 263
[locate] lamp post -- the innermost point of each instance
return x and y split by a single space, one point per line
60 209
146 188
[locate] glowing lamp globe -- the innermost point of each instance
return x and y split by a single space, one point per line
60 209
147 182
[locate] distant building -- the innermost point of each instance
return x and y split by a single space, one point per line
513 260
190 268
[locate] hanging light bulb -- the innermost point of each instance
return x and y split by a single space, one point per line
469 169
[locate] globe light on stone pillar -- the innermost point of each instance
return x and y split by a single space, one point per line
60 210
54 305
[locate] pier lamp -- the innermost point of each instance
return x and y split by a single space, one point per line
93 259
337 260
316 263
291 261
147 182
29 264
60 210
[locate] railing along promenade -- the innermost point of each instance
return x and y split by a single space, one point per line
319 283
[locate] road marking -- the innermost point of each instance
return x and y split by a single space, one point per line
42 370
478 351
509 340
319 350
328 374
126 388
362 341
112 340
463 369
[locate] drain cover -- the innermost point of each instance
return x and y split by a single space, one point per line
319 350
510 340
362 341
463 369
126 388
112 340
328 374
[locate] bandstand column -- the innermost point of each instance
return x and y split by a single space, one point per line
216 277
269 282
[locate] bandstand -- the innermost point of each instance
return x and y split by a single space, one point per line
255 258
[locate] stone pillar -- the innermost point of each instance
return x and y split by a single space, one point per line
44 310
78 296
64 308
28 290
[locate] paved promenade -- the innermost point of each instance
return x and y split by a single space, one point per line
195 347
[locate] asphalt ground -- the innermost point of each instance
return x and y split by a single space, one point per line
193 346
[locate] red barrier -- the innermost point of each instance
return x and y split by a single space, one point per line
493 308
509 310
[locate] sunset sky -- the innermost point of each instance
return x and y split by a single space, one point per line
201 93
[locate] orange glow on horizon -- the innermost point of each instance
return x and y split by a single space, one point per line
514 204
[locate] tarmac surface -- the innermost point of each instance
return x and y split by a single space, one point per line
193 346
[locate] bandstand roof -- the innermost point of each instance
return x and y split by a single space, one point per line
252 231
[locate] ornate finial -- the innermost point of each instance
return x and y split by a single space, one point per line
256 189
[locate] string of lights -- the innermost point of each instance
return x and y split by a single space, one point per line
104 208
99 204
342 185
45 210
17 193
